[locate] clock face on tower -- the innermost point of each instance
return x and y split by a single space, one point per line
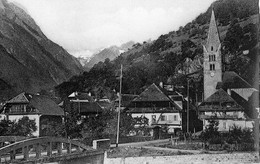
212 74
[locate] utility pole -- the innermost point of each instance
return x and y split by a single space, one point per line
188 105
119 106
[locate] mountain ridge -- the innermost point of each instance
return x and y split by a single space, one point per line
29 60
111 53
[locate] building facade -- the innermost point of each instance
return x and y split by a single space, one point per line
156 105
36 107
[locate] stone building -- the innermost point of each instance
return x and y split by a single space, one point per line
226 94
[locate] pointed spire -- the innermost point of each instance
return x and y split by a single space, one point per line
213 35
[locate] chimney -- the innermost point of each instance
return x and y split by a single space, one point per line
161 84
229 91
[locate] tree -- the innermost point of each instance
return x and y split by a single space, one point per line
5 127
53 128
23 127
211 132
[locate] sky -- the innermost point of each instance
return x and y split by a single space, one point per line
83 26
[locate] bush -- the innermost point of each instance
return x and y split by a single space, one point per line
23 127
239 135
211 132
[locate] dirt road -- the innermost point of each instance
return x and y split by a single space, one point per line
231 158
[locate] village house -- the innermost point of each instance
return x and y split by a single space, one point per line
40 108
158 106
84 104
226 94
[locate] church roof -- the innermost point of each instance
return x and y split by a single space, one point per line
232 80
213 34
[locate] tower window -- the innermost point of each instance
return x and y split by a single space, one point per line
212 67
211 48
212 58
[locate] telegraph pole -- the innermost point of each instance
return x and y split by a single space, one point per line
188 105
119 106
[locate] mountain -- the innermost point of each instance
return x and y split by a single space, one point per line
168 58
29 60
111 53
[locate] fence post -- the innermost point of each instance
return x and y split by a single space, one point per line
12 155
69 148
38 150
49 149
25 152
59 148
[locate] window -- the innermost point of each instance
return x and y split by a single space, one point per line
171 118
212 67
212 58
211 48
163 118
224 125
175 118
153 118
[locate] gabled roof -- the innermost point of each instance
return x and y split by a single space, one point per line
152 93
220 98
21 98
87 107
46 106
155 94
232 80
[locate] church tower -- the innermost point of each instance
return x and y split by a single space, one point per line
212 59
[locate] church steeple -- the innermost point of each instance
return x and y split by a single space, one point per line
212 59
213 40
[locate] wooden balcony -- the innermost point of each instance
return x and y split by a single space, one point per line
221 117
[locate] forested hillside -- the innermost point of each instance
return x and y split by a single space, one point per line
177 53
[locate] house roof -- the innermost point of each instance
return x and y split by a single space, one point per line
152 93
81 96
232 80
87 107
221 97
104 104
155 94
45 105
21 98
